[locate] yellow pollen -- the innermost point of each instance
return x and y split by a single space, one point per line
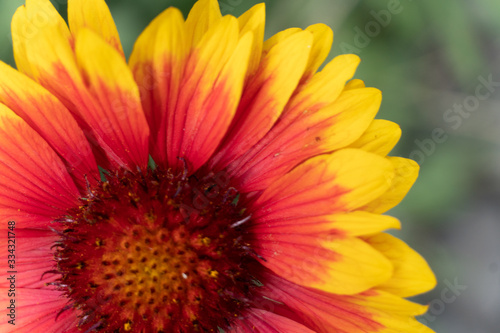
206 241
213 274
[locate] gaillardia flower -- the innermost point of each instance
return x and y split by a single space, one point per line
214 183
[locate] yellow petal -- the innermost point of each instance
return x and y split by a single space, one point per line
358 268
354 110
204 15
324 87
323 39
41 39
412 275
354 84
379 138
362 223
406 174
395 313
94 15
253 21
280 37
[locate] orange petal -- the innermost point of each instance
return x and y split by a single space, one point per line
118 120
44 113
35 187
94 15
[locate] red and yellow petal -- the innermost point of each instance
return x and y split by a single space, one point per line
356 223
157 63
35 186
269 89
412 275
370 311
325 185
340 182
340 265
47 54
118 118
310 125
45 114
94 15
212 84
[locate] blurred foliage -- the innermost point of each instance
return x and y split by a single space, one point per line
425 56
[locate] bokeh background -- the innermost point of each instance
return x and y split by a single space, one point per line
438 66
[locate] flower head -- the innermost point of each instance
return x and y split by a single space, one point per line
214 182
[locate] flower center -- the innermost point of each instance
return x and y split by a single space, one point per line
155 252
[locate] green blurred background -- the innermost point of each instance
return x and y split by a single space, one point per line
430 59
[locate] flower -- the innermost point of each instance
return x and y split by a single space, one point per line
216 182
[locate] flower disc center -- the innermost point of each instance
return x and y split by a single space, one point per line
154 252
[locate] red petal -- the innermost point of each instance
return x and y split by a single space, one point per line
261 321
35 187
33 258
36 311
